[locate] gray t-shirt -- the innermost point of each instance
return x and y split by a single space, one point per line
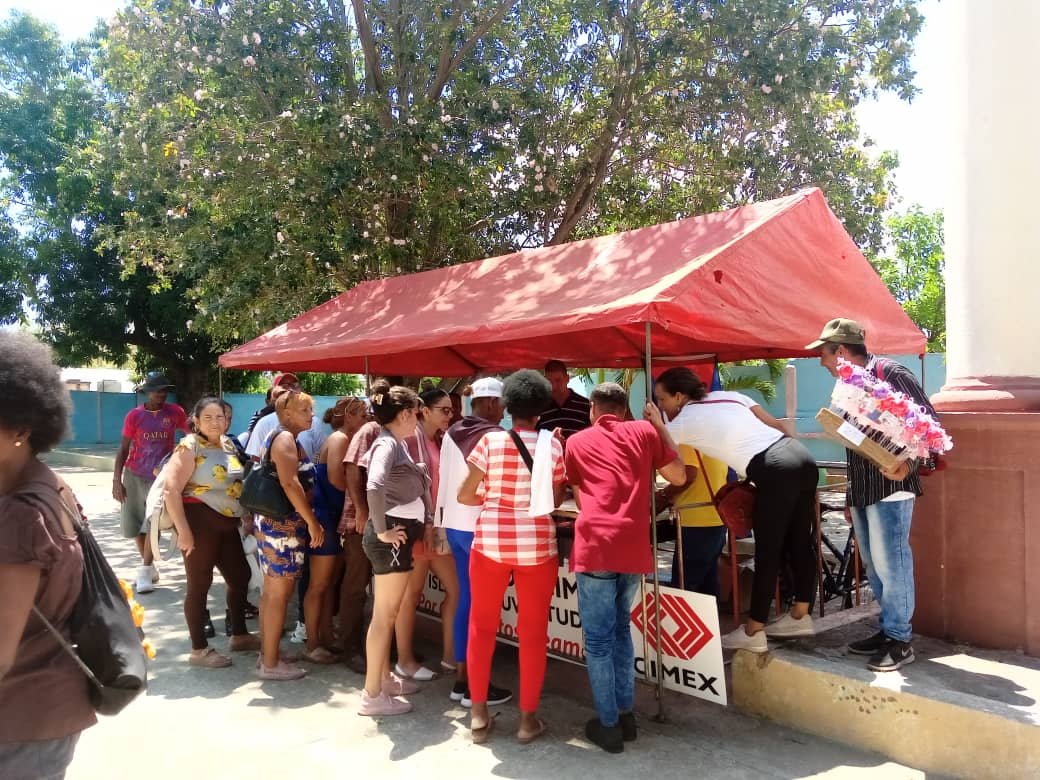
395 480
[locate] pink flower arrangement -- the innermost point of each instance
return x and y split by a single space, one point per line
875 407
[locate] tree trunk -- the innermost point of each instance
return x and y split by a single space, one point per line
192 382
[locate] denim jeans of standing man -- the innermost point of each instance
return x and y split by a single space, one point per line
605 607
883 535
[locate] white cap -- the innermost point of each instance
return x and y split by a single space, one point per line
488 387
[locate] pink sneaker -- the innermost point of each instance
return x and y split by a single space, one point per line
382 704
399 686
282 671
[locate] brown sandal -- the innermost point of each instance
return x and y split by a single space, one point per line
319 655
481 734
527 740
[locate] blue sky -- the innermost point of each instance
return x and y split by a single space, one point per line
918 131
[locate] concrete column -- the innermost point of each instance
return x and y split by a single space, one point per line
992 220
976 532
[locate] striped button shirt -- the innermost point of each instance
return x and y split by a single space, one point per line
504 532
572 417
866 484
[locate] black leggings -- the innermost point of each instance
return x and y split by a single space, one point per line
217 543
785 512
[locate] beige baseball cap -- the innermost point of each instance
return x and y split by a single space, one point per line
840 331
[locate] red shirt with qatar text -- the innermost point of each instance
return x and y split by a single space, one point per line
610 466
151 437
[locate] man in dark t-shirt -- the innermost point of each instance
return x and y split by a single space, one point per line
569 411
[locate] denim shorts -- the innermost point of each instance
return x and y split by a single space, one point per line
386 558
44 760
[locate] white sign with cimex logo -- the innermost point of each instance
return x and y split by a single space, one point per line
691 650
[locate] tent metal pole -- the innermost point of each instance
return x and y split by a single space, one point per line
220 382
368 378
660 717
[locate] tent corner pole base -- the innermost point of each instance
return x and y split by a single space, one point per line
660 717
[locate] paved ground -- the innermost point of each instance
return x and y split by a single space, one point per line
227 724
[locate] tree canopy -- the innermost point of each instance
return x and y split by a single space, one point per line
236 163
913 270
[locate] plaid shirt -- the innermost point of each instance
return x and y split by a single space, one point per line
504 531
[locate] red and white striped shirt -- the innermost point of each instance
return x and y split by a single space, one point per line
504 531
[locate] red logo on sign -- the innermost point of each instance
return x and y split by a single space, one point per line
683 634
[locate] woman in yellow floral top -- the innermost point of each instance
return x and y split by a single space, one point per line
203 485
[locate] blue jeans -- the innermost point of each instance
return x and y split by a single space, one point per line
701 548
605 606
883 535
461 542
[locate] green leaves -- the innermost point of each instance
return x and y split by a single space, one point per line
249 161
913 270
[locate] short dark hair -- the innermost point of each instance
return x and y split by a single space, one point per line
555 365
388 402
610 396
34 395
856 350
682 380
431 396
202 403
526 393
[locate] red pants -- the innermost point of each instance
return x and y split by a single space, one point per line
534 590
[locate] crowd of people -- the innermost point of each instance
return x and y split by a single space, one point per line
405 486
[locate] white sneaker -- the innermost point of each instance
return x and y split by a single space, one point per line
299 634
788 627
155 573
144 579
737 639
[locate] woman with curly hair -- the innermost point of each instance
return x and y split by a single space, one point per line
43 693
201 491
511 541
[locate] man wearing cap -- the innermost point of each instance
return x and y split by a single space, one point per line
311 439
460 521
569 411
147 438
289 381
881 504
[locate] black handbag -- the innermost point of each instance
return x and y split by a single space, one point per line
106 644
262 492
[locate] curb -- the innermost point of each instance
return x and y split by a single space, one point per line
955 734
69 458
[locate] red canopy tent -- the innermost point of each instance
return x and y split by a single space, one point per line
753 282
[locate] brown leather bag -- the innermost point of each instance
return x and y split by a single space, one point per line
734 501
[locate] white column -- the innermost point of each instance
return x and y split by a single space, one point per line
993 206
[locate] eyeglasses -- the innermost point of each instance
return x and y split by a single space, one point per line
441 409
213 418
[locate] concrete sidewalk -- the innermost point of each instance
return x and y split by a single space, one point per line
227 724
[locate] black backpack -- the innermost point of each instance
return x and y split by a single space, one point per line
105 642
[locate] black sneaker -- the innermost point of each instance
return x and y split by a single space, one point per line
894 655
208 628
227 623
609 738
870 645
459 692
496 696
629 729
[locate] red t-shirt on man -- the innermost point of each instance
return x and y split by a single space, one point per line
609 465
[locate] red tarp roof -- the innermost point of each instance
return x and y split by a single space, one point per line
758 281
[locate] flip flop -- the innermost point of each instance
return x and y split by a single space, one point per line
480 735
542 728
422 674
319 656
